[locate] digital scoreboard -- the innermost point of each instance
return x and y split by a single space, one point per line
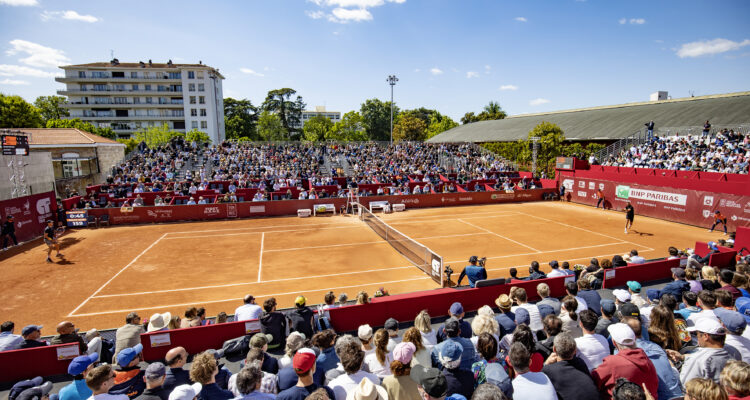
15 145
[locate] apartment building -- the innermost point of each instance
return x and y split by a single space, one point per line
334 116
132 96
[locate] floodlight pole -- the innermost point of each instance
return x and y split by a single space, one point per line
534 150
392 81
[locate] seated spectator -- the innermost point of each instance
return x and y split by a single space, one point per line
634 288
662 329
677 286
592 347
352 358
31 335
534 272
543 290
527 384
524 336
94 342
567 372
552 328
555 272
78 368
618 261
399 385
488 349
327 358
456 311
128 374
690 300
154 377
176 358
421 353
453 331
379 362
591 297
301 317
519 295
669 380
704 389
100 380
294 342
622 296
489 391
608 317
692 276
67 333
635 258
735 325
249 381
569 317
431 383
571 288
175 322
9 341
735 379
362 297
203 370
460 381
159 322
269 383
424 324
630 363
391 326
506 319
129 334
483 323
707 304
364 333
742 284
725 280
260 341
273 323
249 310
710 281
221 317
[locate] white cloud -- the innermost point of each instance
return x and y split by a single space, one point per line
250 72
69 15
315 14
436 71
14 82
38 55
472 74
25 3
508 87
631 21
417 70
710 47
538 101
520 19
19 70
623 21
344 15
347 10
658 41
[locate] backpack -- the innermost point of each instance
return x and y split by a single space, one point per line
322 322
237 346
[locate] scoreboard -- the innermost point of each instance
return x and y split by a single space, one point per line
564 163
15 145
77 217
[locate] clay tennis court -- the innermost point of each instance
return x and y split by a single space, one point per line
109 272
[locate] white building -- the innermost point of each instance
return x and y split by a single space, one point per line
131 96
334 116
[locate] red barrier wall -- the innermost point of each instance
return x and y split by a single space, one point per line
16 365
738 184
742 239
30 213
650 271
194 340
290 207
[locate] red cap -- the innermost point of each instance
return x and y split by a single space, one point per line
303 360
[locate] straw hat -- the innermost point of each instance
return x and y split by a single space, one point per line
366 390
158 321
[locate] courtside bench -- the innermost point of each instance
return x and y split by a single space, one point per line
383 205
323 208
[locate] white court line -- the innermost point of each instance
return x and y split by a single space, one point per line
260 262
501 236
436 218
237 299
255 233
117 274
257 227
442 220
373 242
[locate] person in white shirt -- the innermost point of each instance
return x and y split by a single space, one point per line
9 341
572 289
535 322
528 385
707 303
423 323
635 258
100 380
379 362
248 311
364 333
735 325
555 270
191 201
351 357
592 347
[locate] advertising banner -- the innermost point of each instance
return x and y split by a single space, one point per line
30 214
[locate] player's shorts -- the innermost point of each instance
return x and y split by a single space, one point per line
630 218
50 242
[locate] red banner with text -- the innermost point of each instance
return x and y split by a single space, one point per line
30 214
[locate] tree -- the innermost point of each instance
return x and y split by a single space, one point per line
279 101
270 127
156 136
76 123
49 107
491 111
376 117
15 112
195 135
438 124
468 118
350 128
130 144
551 138
240 119
317 128
409 127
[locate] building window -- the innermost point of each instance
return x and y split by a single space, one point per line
83 88
120 88
202 99
99 74
136 100
149 100
191 74
193 112
192 99
191 87
74 167
203 112
175 75
204 125
194 124
133 74
100 87
81 74
121 100
200 74
147 87
201 87
135 87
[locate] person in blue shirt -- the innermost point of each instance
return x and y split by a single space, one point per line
77 390
473 272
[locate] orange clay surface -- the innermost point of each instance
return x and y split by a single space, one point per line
108 272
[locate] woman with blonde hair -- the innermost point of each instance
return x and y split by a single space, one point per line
203 370
379 363
704 389
569 317
484 324
421 353
735 379
423 323
174 322
362 297
662 329
710 281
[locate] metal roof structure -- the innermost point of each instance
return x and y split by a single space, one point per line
685 115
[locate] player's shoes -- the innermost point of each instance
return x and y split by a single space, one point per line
49 260
626 230
60 255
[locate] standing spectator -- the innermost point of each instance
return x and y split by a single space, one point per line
649 130
453 330
456 311
424 324
706 129
735 379
528 385
67 333
128 374
592 347
431 383
505 318
352 357
568 373
249 380
154 377
608 317
398 385
260 341
473 272
129 334
460 381
630 363
273 323
203 370
569 317
78 368
9 341
535 317
379 362
421 353
31 335
301 318
176 358
100 380
249 310
327 358
735 325
9 232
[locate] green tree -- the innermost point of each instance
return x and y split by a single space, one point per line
240 119
350 128
279 101
195 135
15 112
317 128
50 107
156 136
438 124
130 144
409 127
270 127
376 117
491 111
468 118
76 123
551 139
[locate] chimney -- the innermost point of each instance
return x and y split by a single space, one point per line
142 64
169 63
115 61
150 64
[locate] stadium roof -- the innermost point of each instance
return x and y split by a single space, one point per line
64 137
613 122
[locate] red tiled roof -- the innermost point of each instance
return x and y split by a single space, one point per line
52 136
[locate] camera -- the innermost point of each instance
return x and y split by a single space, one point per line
481 261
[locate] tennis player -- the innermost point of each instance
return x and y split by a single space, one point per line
50 239
629 215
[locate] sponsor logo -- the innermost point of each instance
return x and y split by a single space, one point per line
582 184
737 217
435 267
232 210
125 218
42 205
465 198
627 192
414 200
730 204
592 185
211 211
708 201
257 209
706 213
502 196
601 186
568 184
622 192
159 213
582 194
27 207
20 224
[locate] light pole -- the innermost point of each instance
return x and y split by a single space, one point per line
392 81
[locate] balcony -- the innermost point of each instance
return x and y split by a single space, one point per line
75 79
79 92
81 105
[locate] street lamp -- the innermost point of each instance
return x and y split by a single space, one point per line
392 81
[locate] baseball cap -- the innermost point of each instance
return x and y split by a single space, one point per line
630 310
391 324
456 396
432 381
495 374
185 392
303 360
545 310
404 351
300 301
260 339
653 294
451 351
713 246
733 321
36 392
522 316
503 301
23 385
634 286
364 332
155 371
608 307
451 326
708 325
678 272
622 334
29 329
473 259
125 356
743 307
80 363
456 308
622 295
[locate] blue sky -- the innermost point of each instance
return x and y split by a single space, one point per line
451 55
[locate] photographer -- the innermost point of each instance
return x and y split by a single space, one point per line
473 271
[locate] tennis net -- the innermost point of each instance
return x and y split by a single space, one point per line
418 254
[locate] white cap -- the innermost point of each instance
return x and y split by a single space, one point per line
185 392
364 332
622 295
621 334
708 325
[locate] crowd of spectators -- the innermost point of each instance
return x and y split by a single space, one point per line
726 152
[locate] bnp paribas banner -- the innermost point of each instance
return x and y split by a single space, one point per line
679 205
